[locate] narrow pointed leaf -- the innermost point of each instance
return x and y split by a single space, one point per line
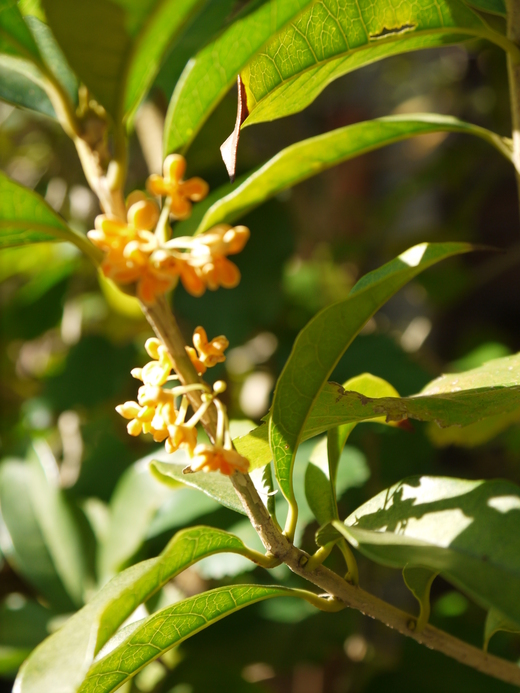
60 663
329 39
116 48
322 342
171 626
213 71
25 217
495 622
465 530
419 581
310 157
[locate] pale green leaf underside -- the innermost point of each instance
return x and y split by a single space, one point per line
171 626
322 342
329 39
310 157
209 75
25 218
213 484
60 663
465 530
116 47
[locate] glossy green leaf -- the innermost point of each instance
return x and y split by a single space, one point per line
322 470
134 504
215 485
419 582
202 30
22 540
210 74
322 342
456 399
310 157
328 40
493 6
116 48
25 217
495 622
465 530
171 626
60 663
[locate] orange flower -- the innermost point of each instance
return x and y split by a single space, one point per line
181 193
205 264
155 372
209 458
181 436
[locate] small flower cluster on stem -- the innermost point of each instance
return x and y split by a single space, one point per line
156 411
139 252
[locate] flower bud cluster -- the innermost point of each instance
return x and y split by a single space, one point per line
136 253
155 411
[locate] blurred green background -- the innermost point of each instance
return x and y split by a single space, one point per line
68 344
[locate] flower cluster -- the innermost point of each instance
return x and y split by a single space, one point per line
155 411
136 251
180 193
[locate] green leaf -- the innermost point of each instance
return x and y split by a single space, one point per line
171 626
322 342
455 399
116 48
419 581
475 434
493 6
60 663
22 541
203 29
214 485
328 40
58 523
25 218
310 157
22 86
15 37
465 530
322 470
495 622
211 73
134 504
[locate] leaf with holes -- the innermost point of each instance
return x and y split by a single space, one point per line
465 530
61 662
322 342
310 157
329 39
